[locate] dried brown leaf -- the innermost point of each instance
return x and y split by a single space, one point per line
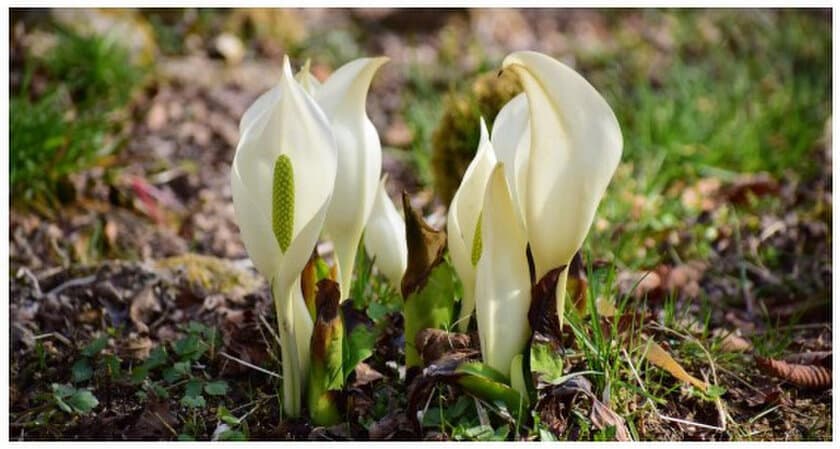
542 314
751 185
144 304
808 376
426 246
656 355
822 358
576 283
365 375
432 344
734 343
603 417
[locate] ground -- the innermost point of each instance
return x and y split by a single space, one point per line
136 314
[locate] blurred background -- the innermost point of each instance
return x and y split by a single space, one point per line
136 111
124 124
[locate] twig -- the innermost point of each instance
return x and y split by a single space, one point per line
57 336
166 424
35 284
691 423
78 282
660 415
250 365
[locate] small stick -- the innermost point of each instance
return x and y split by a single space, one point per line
78 282
250 365
166 424
691 423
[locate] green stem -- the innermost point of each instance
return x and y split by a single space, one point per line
288 351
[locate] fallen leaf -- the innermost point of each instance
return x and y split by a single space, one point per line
751 185
822 358
432 344
603 417
365 375
144 304
640 283
659 357
735 343
808 376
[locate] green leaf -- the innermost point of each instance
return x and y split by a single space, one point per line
185 437
432 306
189 348
82 370
96 346
217 388
72 400
196 328
193 401
547 364
193 388
546 435
232 435
157 358
357 347
112 366
158 390
227 417
138 373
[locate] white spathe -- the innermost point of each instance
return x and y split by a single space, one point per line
385 237
502 283
463 220
575 147
511 139
285 121
342 98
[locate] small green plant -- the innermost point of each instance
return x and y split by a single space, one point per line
72 123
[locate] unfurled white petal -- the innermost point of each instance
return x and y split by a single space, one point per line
503 284
511 139
307 80
574 150
463 219
342 98
385 237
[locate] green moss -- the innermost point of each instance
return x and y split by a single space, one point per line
208 275
456 137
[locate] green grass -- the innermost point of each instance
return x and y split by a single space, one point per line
754 99
89 81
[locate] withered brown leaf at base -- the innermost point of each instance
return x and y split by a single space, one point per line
425 249
807 376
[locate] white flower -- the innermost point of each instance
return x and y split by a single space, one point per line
385 237
502 283
463 222
342 98
282 179
575 147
